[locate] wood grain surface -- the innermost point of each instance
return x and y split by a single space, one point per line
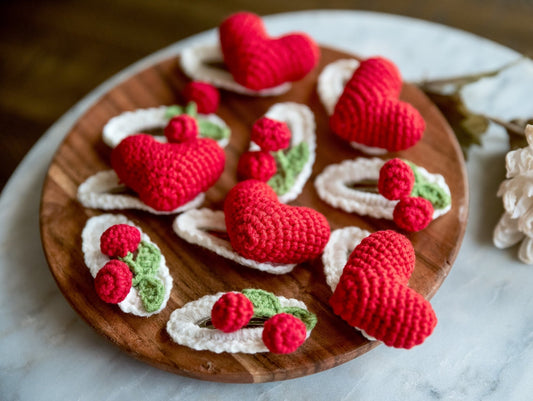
198 272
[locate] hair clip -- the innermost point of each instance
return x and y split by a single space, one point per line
396 190
370 286
128 268
362 99
256 64
250 321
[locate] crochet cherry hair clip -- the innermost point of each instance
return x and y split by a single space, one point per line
367 111
249 321
371 291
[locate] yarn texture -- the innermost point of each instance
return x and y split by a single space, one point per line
257 61
231 312
113 282
119 240
259 165
263 229
181 128
283 333
413 213
396 180
205 95
369 112
372 294
270 135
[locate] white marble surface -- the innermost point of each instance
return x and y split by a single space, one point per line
481 349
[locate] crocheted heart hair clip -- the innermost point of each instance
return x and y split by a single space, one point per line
282 149
129 269
249 321
166 176
370 286
395 189
365 108
258 230
257 64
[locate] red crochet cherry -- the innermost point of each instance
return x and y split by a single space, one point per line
263 229
205 95
119 239
284 333
113 281
396 179
372 293
167 175
231 312
270 135
257 61
181 128
369 112
413 214
258 165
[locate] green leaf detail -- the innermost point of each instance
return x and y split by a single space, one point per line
289 164
173 111
305 316
265 303
430 191
211 130
152 293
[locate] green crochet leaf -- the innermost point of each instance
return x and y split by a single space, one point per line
146 263
152 292
206 128
265 303
430 191
175 110
289 164
305 316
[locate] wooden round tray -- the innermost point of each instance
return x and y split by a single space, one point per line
198 272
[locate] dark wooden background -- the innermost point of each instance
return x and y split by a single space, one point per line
54 52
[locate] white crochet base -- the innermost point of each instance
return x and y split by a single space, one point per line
331 83
193 227
194 63
134 122
339 247
516 223
331 186
94 193
95 260
184 330
301 122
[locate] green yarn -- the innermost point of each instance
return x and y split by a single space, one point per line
206 128
289 165
430 191
144 267
304 315
265 303
152 292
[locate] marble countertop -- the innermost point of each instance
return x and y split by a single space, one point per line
480 350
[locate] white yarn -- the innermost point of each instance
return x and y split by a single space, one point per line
332 188
194 63
301 122
95 260
95 193
516 223
137 121
184 330
193 227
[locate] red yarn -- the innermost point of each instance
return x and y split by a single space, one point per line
370 113
259 165
396 180
231 312
284 333
271 135
167 175
181 128
119 239
373 295
113 281
205 95
413 214
257 61
263 229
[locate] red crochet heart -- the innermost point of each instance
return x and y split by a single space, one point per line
257 61
263 229
167 175
370 113
373 295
